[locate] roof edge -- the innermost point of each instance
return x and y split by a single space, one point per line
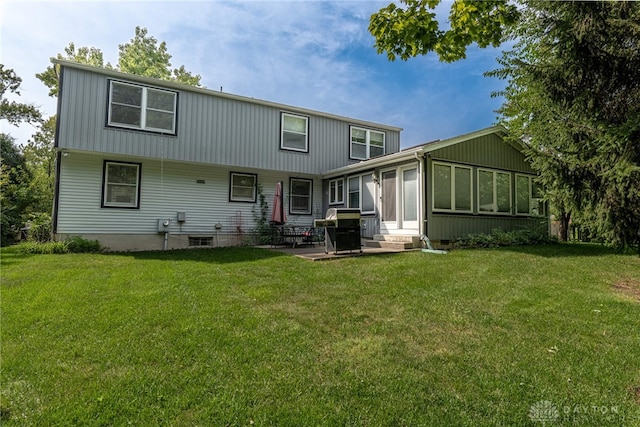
400 156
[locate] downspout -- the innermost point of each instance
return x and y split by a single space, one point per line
421 194
56 145
423 226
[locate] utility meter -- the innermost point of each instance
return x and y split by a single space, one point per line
163 225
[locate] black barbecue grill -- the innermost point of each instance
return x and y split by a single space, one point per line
341 230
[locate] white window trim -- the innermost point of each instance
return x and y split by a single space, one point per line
495 192
453 187
106 183
306 132
360 187
243 199
532 200
143 109
367 142
348 201
307 211
336 194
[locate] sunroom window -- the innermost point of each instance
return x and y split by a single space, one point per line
494 192
141 107
528 196
362 193
451 188
336 191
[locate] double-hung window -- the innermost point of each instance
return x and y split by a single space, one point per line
354 192
362 193
366 143
142 107
294 132
242 187
494 192
528 196
121 185
336 191
451 188
300 196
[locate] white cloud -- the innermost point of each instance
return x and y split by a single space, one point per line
316 55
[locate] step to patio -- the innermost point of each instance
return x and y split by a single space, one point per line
397 242
398 246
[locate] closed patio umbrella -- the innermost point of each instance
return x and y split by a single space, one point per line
278 216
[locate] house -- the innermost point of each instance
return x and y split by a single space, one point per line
149 164
140 160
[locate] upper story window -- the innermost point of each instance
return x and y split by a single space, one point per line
366 143
142 107
494 192
121 185
528 196
451 188
242 187
336 191
294 133
300 196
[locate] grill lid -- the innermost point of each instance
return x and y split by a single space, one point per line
342 213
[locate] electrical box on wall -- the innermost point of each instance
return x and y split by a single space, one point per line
163 225
182 216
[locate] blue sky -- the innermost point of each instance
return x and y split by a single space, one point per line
316 55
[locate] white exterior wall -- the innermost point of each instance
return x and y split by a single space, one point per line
165 189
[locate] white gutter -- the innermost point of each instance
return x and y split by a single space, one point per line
387 159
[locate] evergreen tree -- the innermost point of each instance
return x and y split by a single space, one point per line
573 93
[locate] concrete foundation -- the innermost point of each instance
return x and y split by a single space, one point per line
155 242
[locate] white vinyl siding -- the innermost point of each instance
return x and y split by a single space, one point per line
300 196
451 188
212 127
366 143
141 107
121 186
166 188
494 192
336 191
528 196
242 187
294 133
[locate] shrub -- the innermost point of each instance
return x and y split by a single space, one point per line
75 244
40 228
31 247
499 237
78 244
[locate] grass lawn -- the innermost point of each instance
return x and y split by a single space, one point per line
546 335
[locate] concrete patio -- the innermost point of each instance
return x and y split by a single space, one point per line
316 252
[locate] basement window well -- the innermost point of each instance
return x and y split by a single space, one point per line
197 241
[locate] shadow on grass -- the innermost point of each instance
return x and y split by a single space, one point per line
563 250
10 256
224 255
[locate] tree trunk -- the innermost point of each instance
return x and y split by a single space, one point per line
565 217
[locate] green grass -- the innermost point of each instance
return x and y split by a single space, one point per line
248 336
